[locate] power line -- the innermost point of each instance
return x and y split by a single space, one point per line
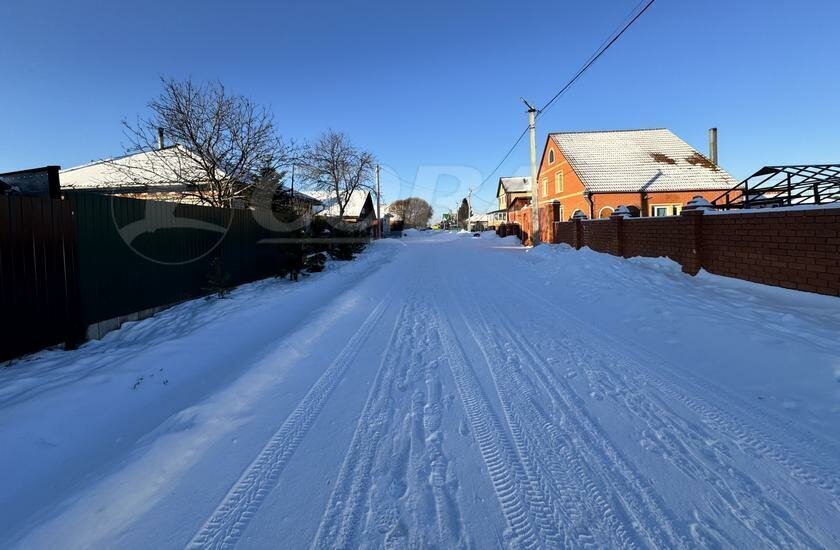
605 45
598 53
504 158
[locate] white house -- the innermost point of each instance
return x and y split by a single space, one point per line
360 206
158 174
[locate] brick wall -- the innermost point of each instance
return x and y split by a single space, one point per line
601 235
668 236
565 233
797 249
794 249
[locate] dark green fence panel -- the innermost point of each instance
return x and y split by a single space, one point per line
138 254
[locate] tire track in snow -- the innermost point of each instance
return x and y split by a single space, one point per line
622 501
686 447
225 525
765 518
339 524
521 508
414 501
791 450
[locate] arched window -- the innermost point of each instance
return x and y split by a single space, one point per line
605 212
575 212
551 156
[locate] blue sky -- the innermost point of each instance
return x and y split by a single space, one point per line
432 88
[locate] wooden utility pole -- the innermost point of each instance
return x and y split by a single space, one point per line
535 210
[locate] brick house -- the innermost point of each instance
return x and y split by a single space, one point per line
652 172
513 194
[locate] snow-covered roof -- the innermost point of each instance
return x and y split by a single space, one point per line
639 160
156 168
516 184
480 218
354 206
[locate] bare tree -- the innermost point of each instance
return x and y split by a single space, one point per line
414 211
220 140
334 166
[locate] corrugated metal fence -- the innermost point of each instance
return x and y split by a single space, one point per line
38 274
66 264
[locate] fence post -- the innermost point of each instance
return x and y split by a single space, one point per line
694 233
617 218
619 235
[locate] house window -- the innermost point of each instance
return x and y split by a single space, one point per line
545 187
660 210
605 212
551 156
558 182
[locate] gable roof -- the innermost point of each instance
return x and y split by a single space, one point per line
514 184
355 206
639 160
157 168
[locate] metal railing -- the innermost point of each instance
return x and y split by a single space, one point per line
774 186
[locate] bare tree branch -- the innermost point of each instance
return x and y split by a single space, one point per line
333 165
220 142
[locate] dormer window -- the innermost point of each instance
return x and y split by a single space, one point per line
551 156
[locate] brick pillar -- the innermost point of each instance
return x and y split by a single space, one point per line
618 224
694 241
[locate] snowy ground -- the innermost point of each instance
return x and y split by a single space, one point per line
441 391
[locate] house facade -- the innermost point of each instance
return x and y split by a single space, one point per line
652 172
359 207
513 194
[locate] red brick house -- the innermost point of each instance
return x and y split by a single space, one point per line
652 172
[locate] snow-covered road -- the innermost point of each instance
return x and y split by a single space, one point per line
442 391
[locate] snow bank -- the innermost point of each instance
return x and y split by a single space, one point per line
511 239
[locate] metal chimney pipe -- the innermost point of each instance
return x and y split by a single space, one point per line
160 138
713 153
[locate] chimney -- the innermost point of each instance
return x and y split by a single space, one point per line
713 146
160 138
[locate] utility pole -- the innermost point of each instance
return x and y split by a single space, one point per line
535 210
469 207
378 214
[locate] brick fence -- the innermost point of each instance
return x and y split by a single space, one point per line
797 249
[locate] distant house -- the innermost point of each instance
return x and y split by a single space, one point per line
480 222
513 193
360 206
652 172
